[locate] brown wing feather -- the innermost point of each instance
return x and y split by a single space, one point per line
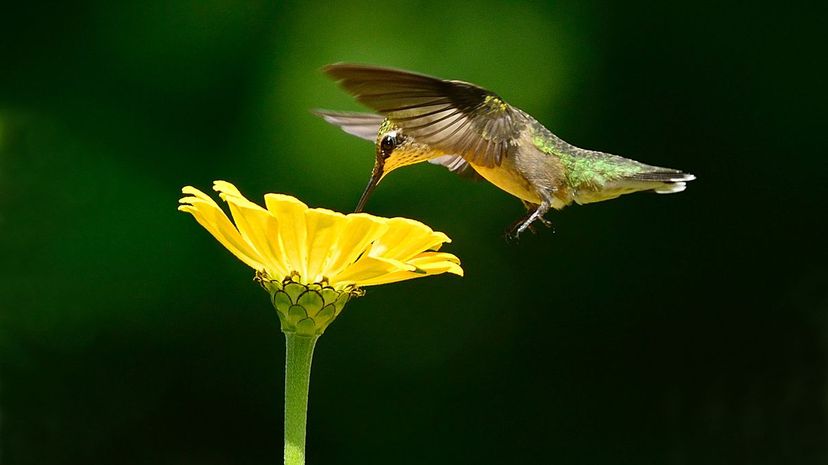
454 116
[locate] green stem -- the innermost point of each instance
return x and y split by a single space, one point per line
298 357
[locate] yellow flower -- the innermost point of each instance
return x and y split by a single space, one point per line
312 260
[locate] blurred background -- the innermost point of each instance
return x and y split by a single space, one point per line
681 329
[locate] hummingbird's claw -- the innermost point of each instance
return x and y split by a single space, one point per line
513 231
513 236
535 214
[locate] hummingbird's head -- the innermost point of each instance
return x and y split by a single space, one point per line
393 150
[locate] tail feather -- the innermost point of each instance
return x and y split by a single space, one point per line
667 181
616 176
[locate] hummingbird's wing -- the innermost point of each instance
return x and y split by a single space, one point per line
366 126
453 116
363 125
456 164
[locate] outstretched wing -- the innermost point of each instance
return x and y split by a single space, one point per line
454 116
366 126
457 165
363 125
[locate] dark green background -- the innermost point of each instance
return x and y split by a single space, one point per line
682 329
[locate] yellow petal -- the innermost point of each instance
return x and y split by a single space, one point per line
224 187
324 229
260 230
427 264
190 190
368 268
358 232
230 194
406 238
437 262
212 218
257 227
292 230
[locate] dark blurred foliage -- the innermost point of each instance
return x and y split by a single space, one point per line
680 329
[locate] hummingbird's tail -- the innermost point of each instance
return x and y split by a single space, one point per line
662 180
627 176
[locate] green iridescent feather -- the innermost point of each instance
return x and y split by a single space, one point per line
587 168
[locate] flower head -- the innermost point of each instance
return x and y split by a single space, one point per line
312 260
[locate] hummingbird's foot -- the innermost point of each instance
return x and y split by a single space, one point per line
512 233
516 228
544 222
531 208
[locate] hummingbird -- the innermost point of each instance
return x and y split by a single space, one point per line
471 130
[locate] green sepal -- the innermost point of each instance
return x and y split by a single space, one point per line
311 301
294 290
305 309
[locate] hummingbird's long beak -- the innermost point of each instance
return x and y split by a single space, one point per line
376 175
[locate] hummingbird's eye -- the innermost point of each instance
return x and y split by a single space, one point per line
388 144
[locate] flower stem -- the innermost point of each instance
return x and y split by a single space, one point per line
298 357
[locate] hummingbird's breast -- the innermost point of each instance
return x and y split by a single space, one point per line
528 172
509 179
